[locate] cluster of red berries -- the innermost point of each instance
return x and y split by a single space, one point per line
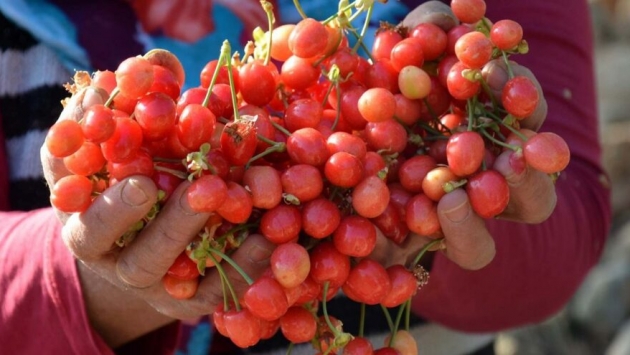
314 147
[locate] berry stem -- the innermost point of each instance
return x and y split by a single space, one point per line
509 127
366 25
233 263
225 48
488 91
341 10
424 250
215 75
401 311
452 185
362 320
281 129
110 100
224 277
388 317
276 147
290 349
177 173
367 51
470 107
507 65
325 310
299 9
498 142
268 7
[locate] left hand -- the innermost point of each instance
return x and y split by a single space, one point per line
467 241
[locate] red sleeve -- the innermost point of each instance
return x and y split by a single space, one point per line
42 305
537 268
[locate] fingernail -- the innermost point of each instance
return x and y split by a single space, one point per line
512 166
185 206
459 212
92 97
517 163
496 76
132 194
258 253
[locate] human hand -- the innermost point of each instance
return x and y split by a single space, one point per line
127 304
467 241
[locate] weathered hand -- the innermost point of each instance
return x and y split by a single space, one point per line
122 286
467 241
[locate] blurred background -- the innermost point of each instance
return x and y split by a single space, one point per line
597 320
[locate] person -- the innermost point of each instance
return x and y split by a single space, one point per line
66 290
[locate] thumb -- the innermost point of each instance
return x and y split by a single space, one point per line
468 242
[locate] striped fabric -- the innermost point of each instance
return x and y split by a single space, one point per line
29 104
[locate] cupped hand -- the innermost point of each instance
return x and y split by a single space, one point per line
467 240
133 292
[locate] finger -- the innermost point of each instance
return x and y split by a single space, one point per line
496 75
414 244
91 234
468 242
435 12
147 259
532 193
54 169
252 256
80 101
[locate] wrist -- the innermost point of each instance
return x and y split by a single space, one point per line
118 316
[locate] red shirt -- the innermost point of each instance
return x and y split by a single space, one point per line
535 272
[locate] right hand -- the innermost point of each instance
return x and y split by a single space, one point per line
133 274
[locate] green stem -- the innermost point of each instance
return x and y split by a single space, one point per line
471 114
507 65
510 128
266 140
388 317
290 349
299 9
226 48
179 174
338 109
367 51
167 160
226 304
281 129
424 250
277 147
401 311
362 320
224 276
233 263
215 75
366 25
328 91
498 142
270 20
110 100
486 88
343 9
429 129
325 310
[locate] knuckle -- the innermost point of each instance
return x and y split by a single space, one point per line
78 243
133 272
206 301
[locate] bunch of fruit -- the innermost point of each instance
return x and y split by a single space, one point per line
315 147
